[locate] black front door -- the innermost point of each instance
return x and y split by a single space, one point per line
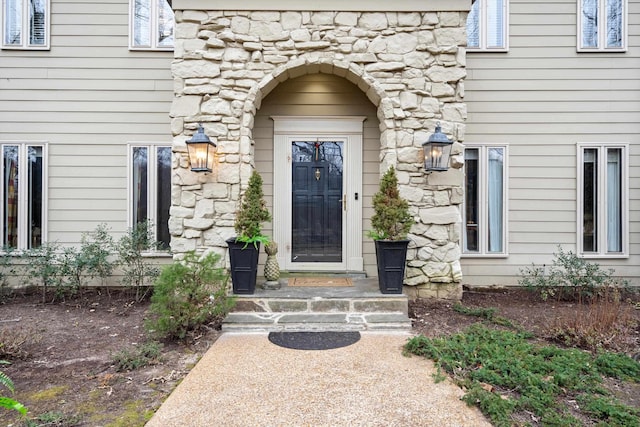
317 201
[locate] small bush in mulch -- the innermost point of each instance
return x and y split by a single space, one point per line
188 294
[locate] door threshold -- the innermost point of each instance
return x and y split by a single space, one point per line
349 274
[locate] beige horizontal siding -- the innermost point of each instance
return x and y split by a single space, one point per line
87 97
542 98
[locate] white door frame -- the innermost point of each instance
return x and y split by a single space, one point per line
348 129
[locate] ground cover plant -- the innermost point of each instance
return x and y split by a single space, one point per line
515 381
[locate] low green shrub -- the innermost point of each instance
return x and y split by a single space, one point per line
509 377
569 278
131 359
54 419
483 313
188 294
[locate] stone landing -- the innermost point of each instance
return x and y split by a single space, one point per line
356 308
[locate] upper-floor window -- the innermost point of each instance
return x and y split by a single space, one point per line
602 199
485 203
487 25
152 25
25 24
601 25
23 195
151 189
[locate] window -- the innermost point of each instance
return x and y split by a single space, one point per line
602 199
152 25
601 25
25 24
22 192
485 200
487 25
151 189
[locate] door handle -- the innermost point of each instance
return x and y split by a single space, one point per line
344 202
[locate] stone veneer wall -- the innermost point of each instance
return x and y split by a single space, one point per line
411 65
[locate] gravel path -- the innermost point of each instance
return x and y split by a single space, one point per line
245 380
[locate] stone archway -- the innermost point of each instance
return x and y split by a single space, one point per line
409 64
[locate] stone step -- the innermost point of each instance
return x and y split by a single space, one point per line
359 307
319 304
352 321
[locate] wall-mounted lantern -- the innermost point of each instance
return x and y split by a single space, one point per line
201 151
437 150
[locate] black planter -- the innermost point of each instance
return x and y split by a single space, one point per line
244 266
391 256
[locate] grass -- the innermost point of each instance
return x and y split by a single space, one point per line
142 355
515 381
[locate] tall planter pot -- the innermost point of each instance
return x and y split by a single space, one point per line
244 266
391 256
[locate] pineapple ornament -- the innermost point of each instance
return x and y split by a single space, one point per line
271 267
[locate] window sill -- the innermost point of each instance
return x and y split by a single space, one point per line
151 49
603 256
157 254
601 50
495 256
487 50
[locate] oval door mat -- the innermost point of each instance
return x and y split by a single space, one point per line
314 340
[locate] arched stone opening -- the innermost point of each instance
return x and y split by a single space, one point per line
410 65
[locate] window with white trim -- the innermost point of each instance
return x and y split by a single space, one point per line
602 199
25 24
150 183
487 25
152 25
23 195
484 219
602 25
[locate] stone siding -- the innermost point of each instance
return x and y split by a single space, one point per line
411 66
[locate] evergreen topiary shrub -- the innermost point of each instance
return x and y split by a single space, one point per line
391 220
188 294
252 213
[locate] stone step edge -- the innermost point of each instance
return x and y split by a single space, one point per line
316 321
321 305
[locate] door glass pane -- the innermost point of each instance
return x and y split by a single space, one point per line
10 195
317 176
590 200
34 171
471 200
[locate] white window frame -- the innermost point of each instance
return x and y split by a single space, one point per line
601 224
153 27
25 29
483 24
23 192
152 180
602 31
483 202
